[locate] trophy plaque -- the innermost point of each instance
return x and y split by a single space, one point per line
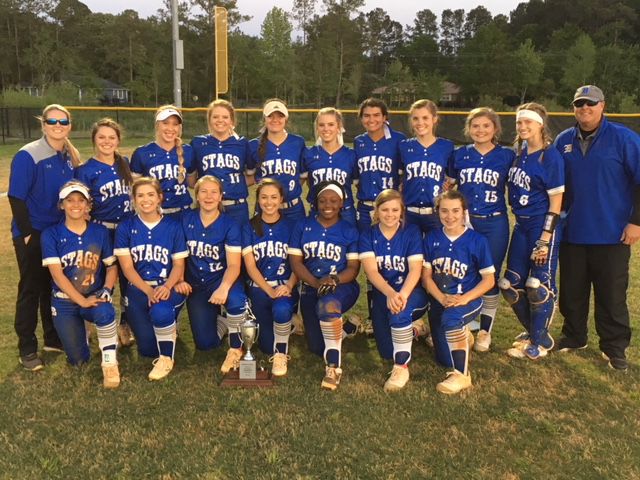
248 374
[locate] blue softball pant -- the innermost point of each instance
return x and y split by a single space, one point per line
143 317
203 316
442 320
239 212
383 320
426 223
496 230
363 217
269 311
316 308
68 320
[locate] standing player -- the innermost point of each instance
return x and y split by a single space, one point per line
108 177
79 255
324 255
224 155
536 184
278 154
151 250
424 160
213 267
481 170
168 160
38 171
458 271
330 159
378 154
273 288
391 254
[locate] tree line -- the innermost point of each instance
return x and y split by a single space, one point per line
543 50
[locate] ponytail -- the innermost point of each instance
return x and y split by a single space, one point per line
262 147
73 153
182 172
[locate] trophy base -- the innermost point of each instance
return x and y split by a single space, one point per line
232 379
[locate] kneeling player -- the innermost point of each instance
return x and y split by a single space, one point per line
151 250
391 254
80 257
324 255
458 270
212 273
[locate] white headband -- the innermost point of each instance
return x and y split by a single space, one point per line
333 188
531 115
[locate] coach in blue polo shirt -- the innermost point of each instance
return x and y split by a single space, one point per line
602 204
38 171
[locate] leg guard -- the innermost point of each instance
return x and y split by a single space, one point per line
514 294
542 304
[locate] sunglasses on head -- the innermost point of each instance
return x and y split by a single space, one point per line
52 121
583 101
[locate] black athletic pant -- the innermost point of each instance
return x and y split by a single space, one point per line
34 291
606 267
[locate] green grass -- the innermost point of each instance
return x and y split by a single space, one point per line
567 416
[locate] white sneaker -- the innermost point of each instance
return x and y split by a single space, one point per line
161 367
429 340
419 328
125 335
111 375
232 360
483 341
471 340
331 378
398 378
518 351
279 361
454 383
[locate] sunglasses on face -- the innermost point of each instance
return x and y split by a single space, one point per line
581 103
53 121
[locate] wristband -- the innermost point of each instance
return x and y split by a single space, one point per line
551 220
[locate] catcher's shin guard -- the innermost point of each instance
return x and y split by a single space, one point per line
542 305
516 297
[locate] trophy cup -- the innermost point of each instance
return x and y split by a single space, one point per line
248 375
249 332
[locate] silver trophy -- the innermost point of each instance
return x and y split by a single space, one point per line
249 331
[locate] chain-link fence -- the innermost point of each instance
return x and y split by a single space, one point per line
20 124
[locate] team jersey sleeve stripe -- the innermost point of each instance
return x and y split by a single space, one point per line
304 174
51 261
367 255
178 255
417 256
426 264
295 251
352 256
250 171
109 260
122 252
485 271
556 190
247 250
233 248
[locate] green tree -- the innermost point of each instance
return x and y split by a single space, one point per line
527 67
303 11
277 51
580 63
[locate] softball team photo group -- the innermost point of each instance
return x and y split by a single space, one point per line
426 221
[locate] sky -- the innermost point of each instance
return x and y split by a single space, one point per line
402 11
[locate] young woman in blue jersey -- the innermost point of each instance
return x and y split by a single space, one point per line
151 251
278 154
480 170
391 255
213 267
273 288
79 255
324 255
330 159
168 160
423 160
37 172
224 154
108 177
536 186
458 270
378 156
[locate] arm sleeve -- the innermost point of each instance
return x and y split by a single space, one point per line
20 214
